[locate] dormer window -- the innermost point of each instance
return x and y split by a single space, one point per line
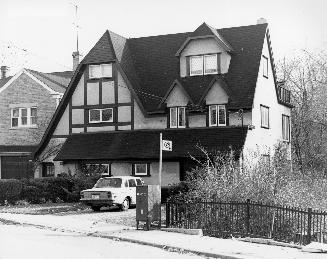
217 115
100 71
204 65
177 117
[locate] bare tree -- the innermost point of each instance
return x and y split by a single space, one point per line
306 78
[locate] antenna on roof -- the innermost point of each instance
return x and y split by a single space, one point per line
76 53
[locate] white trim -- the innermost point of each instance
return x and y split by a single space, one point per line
191 58
140 174
217 106
204 64
177 108
24 71
101 115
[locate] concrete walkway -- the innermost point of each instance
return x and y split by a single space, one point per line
202 245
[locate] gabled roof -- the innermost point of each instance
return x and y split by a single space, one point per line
55 82
144 144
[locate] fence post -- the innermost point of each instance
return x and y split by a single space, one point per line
247 220
167 214
309 224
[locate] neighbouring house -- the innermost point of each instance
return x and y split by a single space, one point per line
27 102
210 88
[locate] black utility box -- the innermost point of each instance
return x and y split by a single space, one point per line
148 204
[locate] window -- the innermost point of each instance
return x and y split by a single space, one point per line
177 117
265 160
99 71
23 117
265 66
97 169
217 115
101 115
204 65
264 116
286 127
131 183
48 170
141 169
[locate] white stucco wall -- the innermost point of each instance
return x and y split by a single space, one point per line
63 125
177 97
216 95
140 122
261 140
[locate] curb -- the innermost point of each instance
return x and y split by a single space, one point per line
124 239
191 231
267 241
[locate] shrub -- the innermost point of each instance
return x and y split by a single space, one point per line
10 190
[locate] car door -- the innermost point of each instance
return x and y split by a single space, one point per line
132 189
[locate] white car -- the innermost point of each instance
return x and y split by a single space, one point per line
108 191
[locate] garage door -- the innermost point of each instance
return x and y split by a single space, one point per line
15 167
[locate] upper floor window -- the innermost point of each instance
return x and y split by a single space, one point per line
101 115
265 66
217 115
286 127
23 117
264 110
203 65
99 71
177 117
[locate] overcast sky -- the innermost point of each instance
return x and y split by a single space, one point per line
39 34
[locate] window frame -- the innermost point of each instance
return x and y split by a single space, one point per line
100 164
101 115
101 69
134 170
203 57
263 108
265 66
288 133
45 166
28 116
178 109
217 106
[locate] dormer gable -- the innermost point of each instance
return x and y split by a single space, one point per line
204 52
176 96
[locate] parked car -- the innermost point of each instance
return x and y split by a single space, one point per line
109 191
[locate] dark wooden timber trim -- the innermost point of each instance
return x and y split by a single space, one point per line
59 136
70 115
101 106
102 124
115 76
132 112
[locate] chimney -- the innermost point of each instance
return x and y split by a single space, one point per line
76 56
4 70
261 20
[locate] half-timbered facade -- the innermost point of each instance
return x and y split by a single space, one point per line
209 88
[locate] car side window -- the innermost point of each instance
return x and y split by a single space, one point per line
126 183
131 183
138 182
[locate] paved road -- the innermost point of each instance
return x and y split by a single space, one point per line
18 242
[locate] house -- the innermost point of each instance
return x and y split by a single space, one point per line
209 88
27 102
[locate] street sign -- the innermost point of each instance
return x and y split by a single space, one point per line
167 145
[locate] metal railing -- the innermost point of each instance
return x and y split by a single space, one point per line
243 219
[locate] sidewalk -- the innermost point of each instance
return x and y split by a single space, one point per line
206 246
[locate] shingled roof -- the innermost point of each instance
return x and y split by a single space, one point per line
144 144
151 66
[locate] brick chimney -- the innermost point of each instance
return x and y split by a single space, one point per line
4 70
261 20
76 55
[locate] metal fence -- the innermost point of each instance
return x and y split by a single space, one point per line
243 219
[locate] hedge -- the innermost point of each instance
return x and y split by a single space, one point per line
40 190
10 190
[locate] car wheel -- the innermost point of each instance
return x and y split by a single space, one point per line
125 205
96 208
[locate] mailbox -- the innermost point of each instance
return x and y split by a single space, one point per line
148 204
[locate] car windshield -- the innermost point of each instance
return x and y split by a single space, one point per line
108 182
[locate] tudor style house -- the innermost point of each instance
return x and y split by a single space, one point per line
210 88
27 102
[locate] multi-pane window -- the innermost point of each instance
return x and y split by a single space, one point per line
264 110
140 169
23 117
203 65
99 71
101 115
265 66
217 115
48 169
286 127
177 117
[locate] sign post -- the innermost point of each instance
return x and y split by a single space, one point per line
160 161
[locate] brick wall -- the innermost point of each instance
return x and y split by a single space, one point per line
25 90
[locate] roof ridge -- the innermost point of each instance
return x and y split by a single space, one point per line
160 35
45 76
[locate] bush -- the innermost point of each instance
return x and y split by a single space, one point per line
10 190
172 191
